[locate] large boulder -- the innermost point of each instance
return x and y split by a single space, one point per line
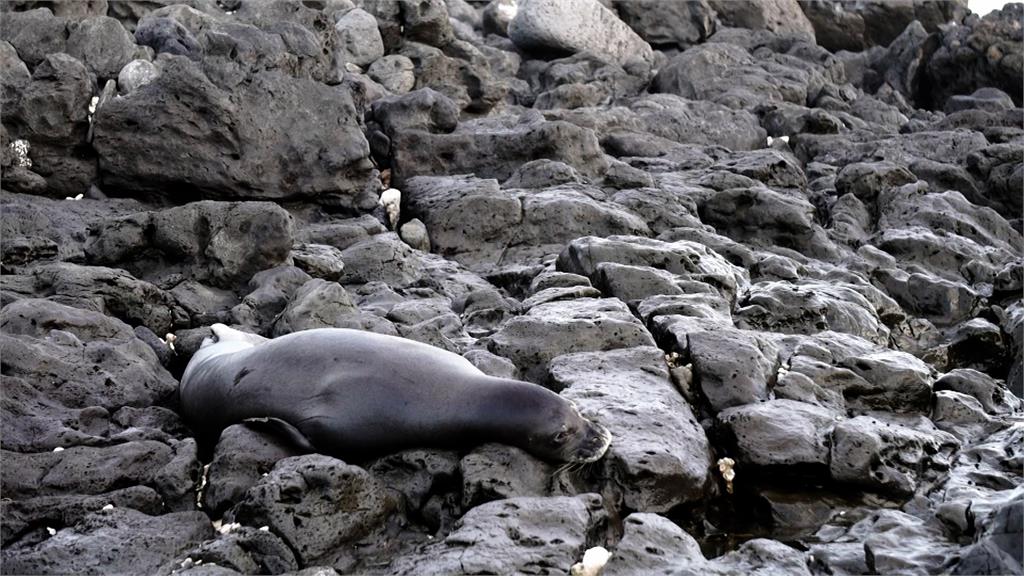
660 456
316 504
119 540
219 243
521 535
668 24
66 370
255 142
577 26
779 16
983 52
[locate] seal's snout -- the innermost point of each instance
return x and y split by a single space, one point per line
594 444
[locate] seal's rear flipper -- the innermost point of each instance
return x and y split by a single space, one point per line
284 431
227 334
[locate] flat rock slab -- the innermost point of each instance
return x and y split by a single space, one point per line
556 328
517 535
659 454
120 541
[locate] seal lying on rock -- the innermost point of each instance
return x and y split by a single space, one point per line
358 395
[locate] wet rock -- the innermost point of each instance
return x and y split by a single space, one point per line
96 470
660 455
866 180
780 432
110 291
426 480
855 26
272 290
254 148
535 338
519 534
478 223
35 34
988 99
730 367
998 548
758 556
652 544
427 22
578 26
767 217
319 260
978 344
315 504
120 540
102 44
896 381
962 416
888 457
687 261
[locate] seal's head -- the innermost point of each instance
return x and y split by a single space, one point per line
566 436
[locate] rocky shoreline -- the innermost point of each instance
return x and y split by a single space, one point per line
775 247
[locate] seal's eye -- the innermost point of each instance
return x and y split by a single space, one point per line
562 436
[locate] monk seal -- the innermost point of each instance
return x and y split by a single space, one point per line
358 395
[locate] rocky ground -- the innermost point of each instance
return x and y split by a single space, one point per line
786 234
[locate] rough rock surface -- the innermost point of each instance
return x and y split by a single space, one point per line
773 246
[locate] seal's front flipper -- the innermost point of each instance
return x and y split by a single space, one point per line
281 430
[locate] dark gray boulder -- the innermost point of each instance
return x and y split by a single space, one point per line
984 52
102 44
52 113
245 550
222 244
780 433
35 33
316 504
119 540
244 454
58 358
549 330
668 24
889 457
252 147
528 535
652 544
494 152
660 456
21 516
